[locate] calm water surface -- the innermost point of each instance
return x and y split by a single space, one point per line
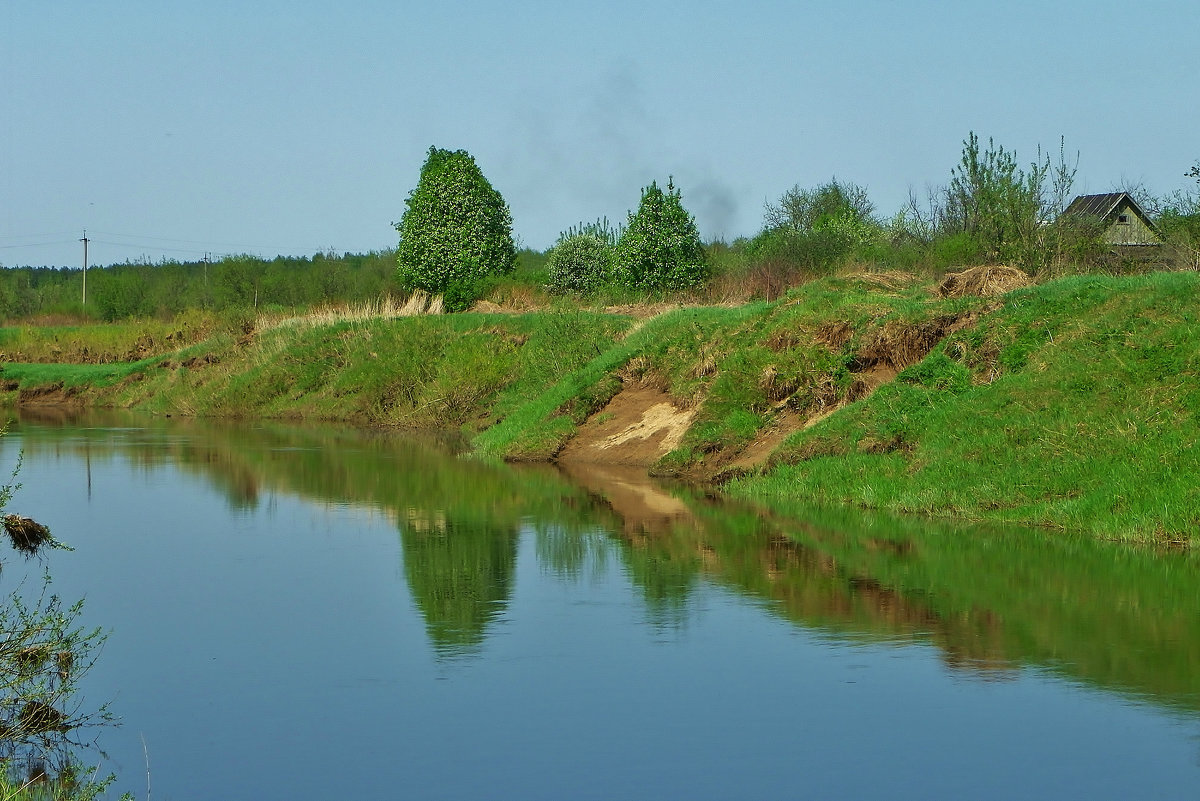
320 613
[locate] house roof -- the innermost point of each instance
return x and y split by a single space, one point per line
1096 205
1103 207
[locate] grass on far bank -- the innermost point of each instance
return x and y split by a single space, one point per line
1072 405
1075 405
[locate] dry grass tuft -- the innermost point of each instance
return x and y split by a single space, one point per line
889 280
984 282
26 535
899 344
384 308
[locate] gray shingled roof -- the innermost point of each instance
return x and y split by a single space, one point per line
1096 205
1102 207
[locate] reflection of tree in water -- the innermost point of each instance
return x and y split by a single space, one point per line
666 580
460 575
567 550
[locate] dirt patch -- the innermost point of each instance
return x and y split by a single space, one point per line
49 395
870 379
771 437
639 426
984 282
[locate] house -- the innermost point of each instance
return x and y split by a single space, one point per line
1124 225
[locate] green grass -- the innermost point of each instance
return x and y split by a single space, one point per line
105 342
1073 406
75 375
427 372
536 428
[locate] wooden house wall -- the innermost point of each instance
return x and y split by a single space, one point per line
1133 232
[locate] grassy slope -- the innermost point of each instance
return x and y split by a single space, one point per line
430 372
1072 404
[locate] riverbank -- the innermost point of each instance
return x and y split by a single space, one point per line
1070 405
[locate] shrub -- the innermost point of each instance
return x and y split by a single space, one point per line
456 230
818 229
660 248
581 259
578 263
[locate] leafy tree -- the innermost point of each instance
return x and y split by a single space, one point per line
660 247
803 210
815 229
578 263
456 230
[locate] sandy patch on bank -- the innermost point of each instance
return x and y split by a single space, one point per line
638 427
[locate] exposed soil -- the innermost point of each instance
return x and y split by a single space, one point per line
51 395
757 452
639 426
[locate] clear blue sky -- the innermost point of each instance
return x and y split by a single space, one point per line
169 129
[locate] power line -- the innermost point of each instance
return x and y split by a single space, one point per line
208 244
37 244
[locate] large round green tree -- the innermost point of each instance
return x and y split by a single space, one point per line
456 230
660 247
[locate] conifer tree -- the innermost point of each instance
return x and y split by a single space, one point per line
660 247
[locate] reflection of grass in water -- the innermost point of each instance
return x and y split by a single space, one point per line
1118 616
569 551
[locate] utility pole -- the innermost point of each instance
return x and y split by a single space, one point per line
84 241
206 280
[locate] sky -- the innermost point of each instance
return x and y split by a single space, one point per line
172 130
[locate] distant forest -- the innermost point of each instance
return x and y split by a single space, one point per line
164 290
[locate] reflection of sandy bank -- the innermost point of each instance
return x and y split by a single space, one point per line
49 412
643 505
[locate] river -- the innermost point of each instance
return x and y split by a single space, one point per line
319 612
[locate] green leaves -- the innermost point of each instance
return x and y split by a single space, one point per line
579 263
456 230
660 248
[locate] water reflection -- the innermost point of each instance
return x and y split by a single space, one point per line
992 602
460 576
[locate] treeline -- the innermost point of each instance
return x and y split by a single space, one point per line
164 290
992 210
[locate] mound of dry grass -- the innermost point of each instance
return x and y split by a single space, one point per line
985 282
27 535
889 280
